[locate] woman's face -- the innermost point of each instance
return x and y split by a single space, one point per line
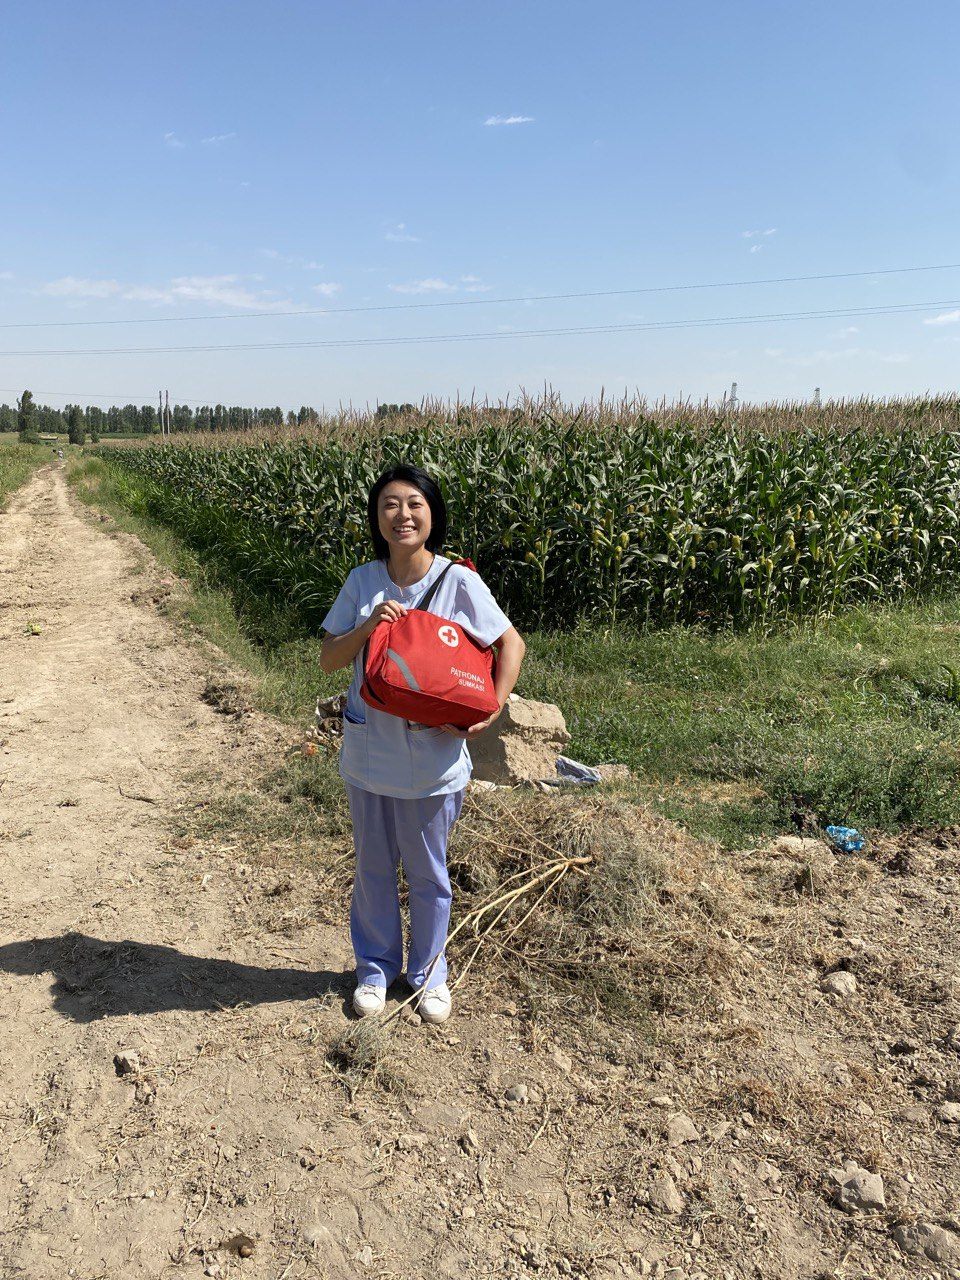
403 515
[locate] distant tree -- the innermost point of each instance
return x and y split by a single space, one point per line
8 418
182 417
394 410
27 419
76 427
148 420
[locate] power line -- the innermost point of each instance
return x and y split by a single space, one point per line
138 398
499 335
483 302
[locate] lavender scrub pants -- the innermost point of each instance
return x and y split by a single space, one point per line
386 832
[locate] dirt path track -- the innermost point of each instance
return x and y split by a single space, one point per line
101 723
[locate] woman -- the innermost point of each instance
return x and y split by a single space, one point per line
406 783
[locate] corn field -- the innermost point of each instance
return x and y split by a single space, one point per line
652 518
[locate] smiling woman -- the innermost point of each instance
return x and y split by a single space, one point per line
405 783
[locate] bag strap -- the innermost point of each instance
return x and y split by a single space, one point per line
431 591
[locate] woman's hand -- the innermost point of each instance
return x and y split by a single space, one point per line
386 611
474 728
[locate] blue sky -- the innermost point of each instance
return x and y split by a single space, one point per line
169 161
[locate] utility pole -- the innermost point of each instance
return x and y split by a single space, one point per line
166 409
163 430
816 397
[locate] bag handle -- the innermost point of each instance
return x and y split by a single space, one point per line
427 599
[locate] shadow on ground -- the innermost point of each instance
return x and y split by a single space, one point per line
96 978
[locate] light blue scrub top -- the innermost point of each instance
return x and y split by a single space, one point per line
381 752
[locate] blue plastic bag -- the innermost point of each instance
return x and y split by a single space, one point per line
848 839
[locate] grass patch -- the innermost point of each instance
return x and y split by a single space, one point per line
17 463
362 1054
736 735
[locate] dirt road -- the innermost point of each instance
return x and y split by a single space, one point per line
113 940
695 1148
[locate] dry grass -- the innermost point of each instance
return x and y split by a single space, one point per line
587 904
363 1054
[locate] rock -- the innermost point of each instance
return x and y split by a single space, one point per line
949 1112
768 1172
926 1241
517 1093
470 1143
799 845
317 1235
841 983
952 1040
839 1073
330 708
680 1129
858 1188
242 1245
613 772
412 1141
903 1047
522 745
562 1060
365 1256
409 1014
127 1062
664 1196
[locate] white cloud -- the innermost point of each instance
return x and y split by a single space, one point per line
216 138
752 235
400 235
292 260
848 332
755 248
328 288
225 291
78 287
6 275
807 360
171 140
435 284
508 120
945 317
432 284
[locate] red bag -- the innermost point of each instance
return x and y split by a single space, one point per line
428 670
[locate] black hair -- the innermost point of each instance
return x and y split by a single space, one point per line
430 490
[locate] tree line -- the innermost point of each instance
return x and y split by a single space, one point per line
31 420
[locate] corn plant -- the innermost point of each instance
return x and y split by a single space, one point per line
647 518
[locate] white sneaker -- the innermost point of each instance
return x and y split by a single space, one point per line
369 999
435 1005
